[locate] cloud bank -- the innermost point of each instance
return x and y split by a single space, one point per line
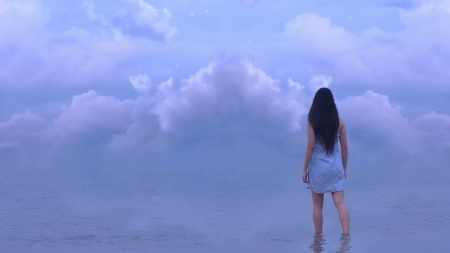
415 57
220 106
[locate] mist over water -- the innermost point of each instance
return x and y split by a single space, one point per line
207 210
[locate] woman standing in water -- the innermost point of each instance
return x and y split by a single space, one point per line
325 168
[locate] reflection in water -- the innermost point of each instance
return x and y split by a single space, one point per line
345 244
319 242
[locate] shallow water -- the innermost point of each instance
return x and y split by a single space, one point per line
266 211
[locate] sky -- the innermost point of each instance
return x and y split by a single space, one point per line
91 85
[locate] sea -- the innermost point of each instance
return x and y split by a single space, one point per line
207 210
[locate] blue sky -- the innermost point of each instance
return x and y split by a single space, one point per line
135 79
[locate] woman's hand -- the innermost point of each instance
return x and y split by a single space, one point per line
305 177
345 173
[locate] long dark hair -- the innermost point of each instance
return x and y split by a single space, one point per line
324 119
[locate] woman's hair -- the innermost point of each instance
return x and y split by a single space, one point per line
324 119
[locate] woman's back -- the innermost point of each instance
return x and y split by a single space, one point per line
326 157
326 172
319 148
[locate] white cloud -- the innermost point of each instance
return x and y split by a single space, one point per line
374 122
99 54
318 34
230 100
227 103
22 128
33 17
227 100
437 129
226 92
90 119
80 132
20 141
136 18
319 81
89 10
140 18
416 56
141 83
143 134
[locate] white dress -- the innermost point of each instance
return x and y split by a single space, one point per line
326 172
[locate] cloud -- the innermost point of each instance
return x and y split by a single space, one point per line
93 55
227 100
416 56
437 129
320 81
32 16
404 4
90 119
141 83
226 106
229 105
318 33
136 18
139 18
374 122
229 91
89 10
22 128
87 124
20 142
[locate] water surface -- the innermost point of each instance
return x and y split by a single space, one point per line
199 211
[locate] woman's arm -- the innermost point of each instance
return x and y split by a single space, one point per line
309 147
344 148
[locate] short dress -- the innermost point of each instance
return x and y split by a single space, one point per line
326 172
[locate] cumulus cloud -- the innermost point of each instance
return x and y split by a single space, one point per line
229 99
226 92
139 18
416 56
95 55
136 18
141 83
91 119
227 104
437 132
224 103
20 142
319 81
22 128
373 121
88 123
320 33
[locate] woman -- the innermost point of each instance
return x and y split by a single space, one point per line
325 168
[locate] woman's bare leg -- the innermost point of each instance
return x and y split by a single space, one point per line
344 217
317 211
